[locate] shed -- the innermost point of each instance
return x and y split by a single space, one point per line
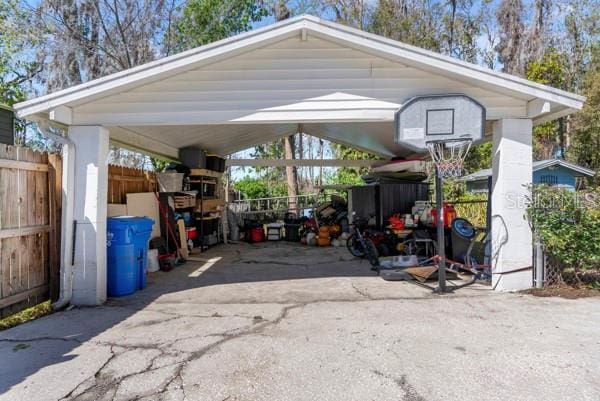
329 80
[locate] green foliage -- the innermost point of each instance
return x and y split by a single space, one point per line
9 91
270 150
349 175
479 157
206 21
158 165
345 176
416 26
475 212
568 222
550 70
253 188
14 41
586 139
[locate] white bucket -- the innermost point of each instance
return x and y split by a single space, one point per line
153 265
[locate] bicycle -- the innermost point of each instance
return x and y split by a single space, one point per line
359 245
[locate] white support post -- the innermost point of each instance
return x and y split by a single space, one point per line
89 214
511 234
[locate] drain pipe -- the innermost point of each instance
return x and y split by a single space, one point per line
67 246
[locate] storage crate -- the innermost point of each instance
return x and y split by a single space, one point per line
210 204
184 201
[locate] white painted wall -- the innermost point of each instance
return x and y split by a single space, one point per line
89 211
511 234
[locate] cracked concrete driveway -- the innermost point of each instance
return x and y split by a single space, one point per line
283 322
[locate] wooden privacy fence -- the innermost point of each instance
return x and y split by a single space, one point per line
126 180
30 212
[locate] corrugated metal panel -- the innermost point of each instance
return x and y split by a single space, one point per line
363 201
400 198
384 200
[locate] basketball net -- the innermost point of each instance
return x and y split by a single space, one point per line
449 155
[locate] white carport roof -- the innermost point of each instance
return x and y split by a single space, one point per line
341 83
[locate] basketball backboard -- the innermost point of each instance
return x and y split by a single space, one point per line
438 118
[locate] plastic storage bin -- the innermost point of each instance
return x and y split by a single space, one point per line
215 163
127 254
193 157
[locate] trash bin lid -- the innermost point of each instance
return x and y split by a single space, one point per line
463 227
134 222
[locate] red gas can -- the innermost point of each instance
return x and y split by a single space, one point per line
257 234
448 214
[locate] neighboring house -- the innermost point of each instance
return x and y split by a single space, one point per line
553 172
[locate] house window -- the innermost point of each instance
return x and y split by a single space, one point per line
549 179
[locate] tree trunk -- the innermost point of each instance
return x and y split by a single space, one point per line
301 175
290 173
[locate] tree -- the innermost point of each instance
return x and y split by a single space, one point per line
414 22
537 37
88 39
206 21
17 69
252 188
16 38
353 13
350 175
549 138
479 157
512 35
461 30
291 173
579 38
487 49
586 125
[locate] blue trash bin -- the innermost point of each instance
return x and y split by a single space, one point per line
142 234
122 271
127 254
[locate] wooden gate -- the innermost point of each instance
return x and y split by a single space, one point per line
30 212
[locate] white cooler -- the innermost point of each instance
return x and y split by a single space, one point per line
274 231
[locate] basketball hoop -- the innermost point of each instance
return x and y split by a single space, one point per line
445 125
449 155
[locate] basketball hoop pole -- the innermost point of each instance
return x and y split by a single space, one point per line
441 243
